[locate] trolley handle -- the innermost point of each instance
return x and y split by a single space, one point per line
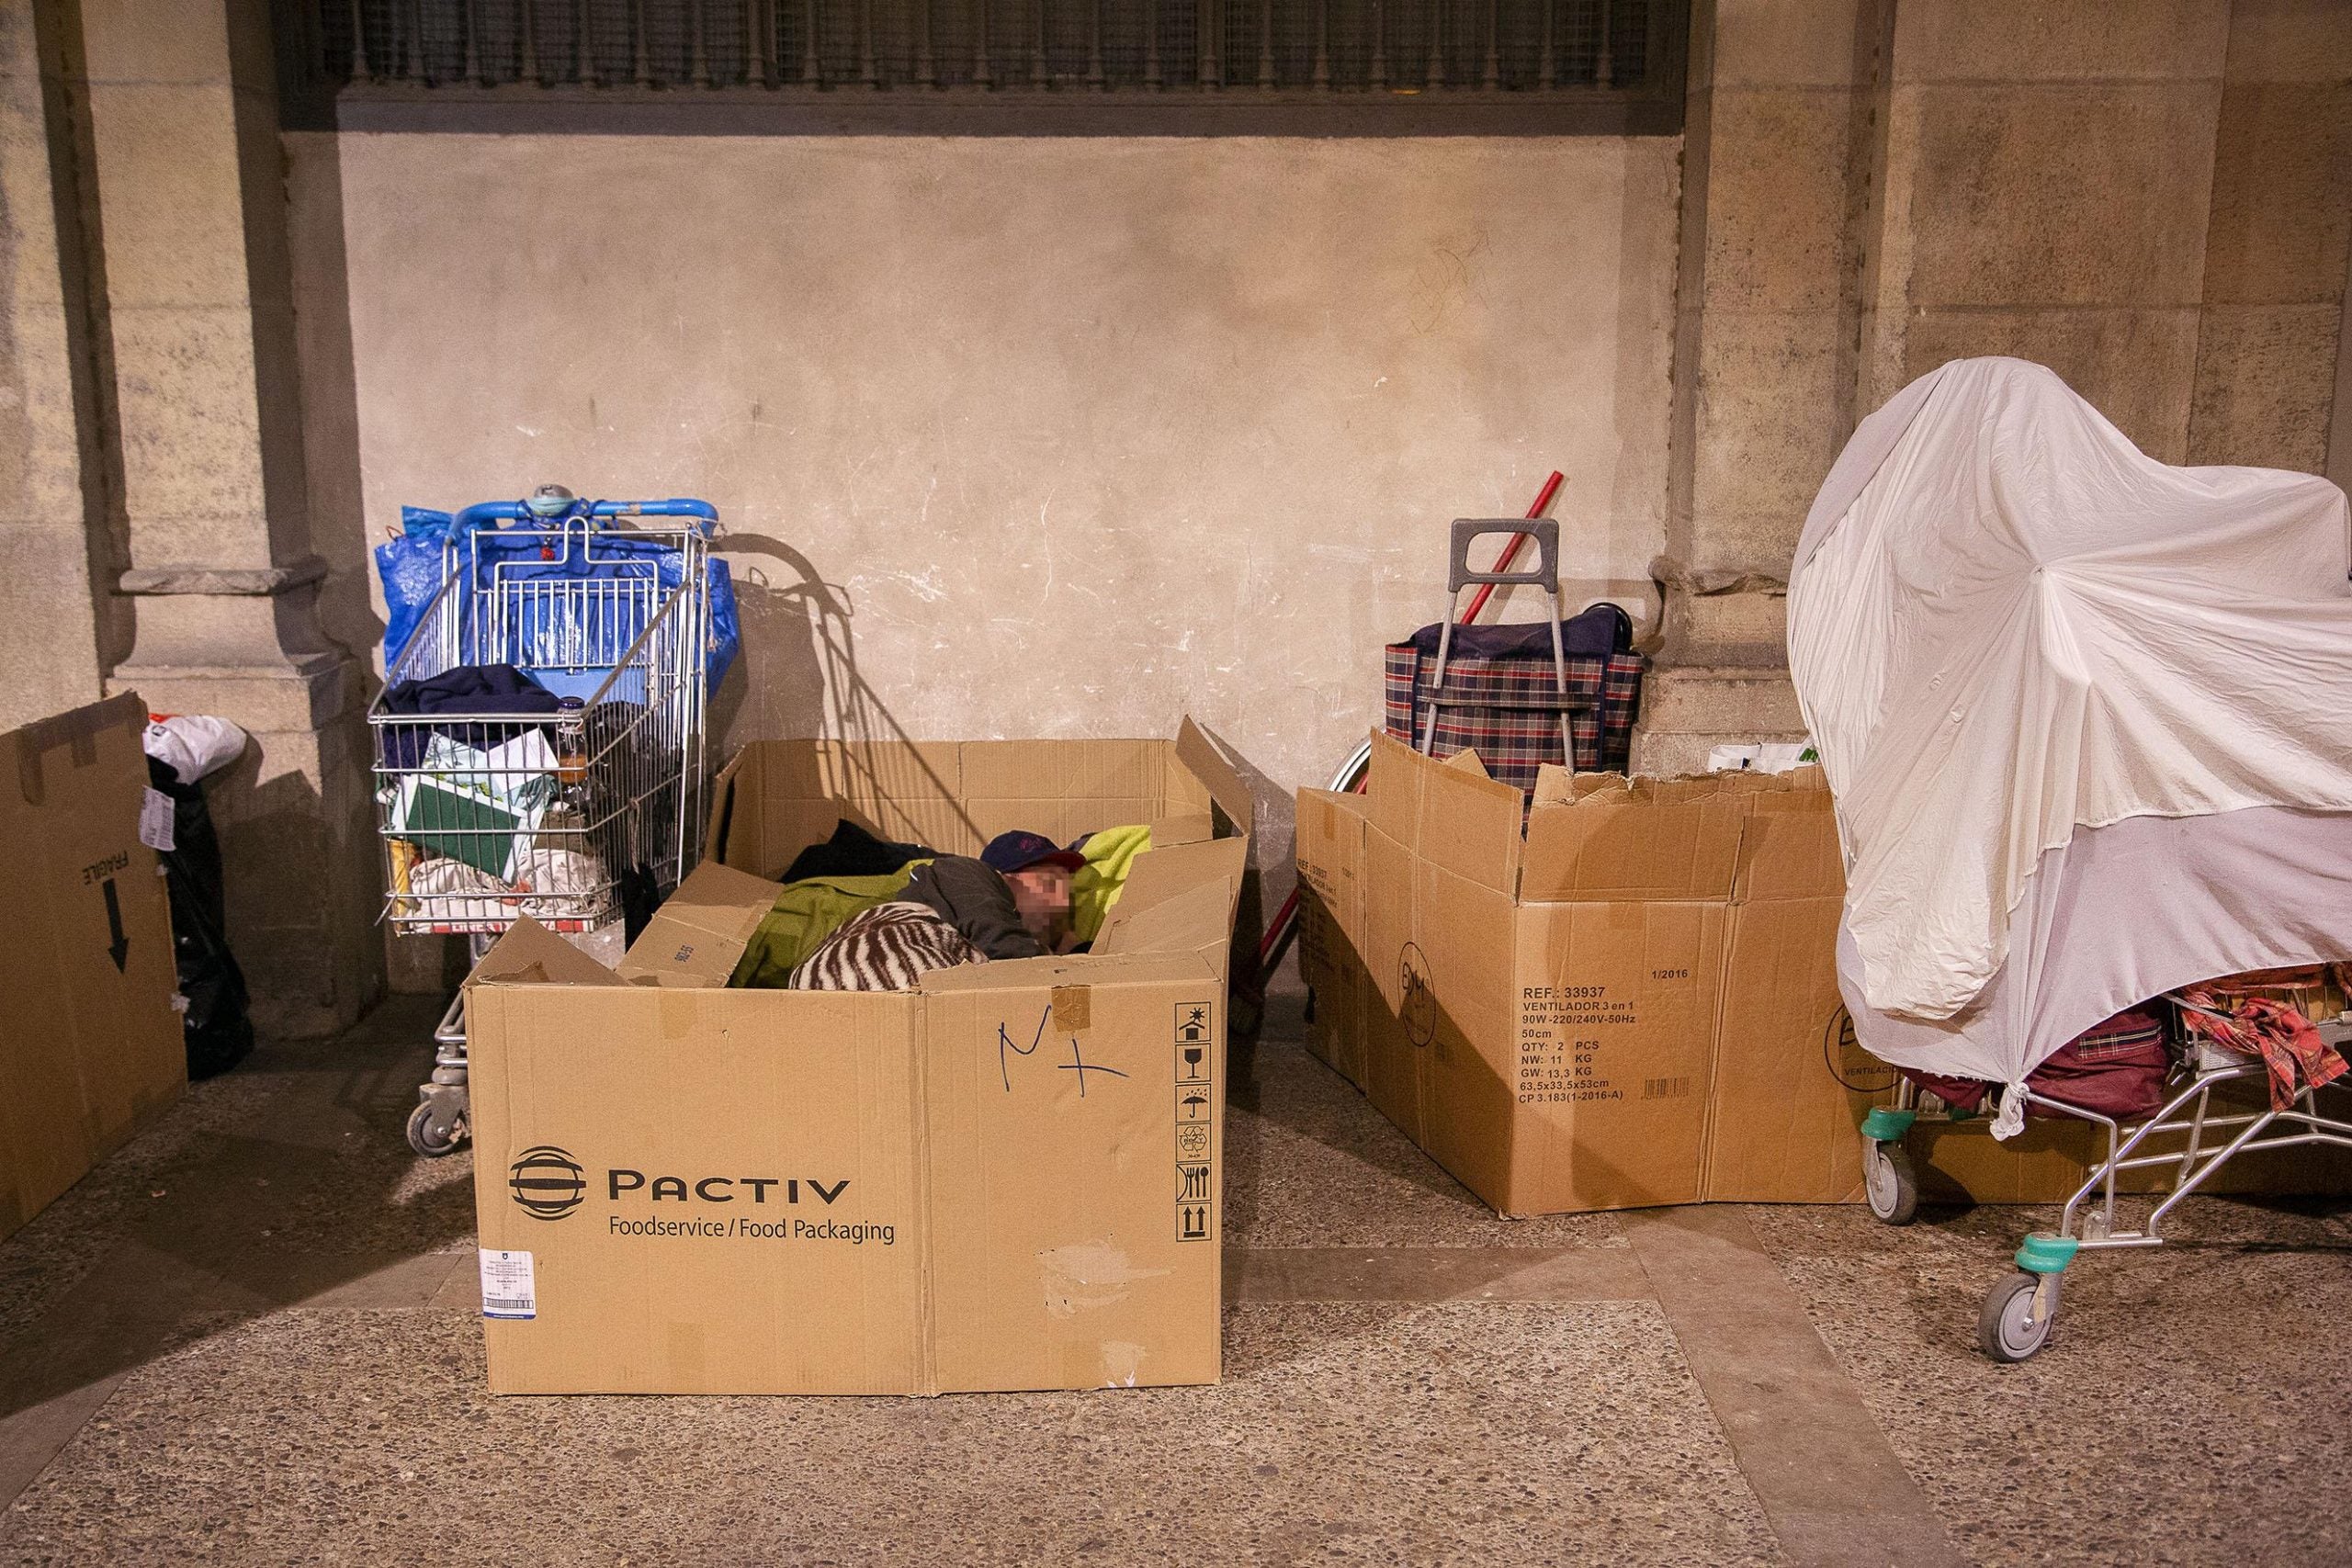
676 506
490 513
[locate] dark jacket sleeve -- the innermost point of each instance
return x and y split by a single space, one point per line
978 902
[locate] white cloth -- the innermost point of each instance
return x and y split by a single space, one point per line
1760 757
2009 626
195 745
553 884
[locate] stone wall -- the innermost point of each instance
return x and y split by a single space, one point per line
1072 435
1036 436
156 506
2147 196
51 502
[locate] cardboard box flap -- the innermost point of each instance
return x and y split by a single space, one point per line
1556 785
1187 827
1323 815
1206 761
1199 920
1626 847
907 791
1789 848
94 1048
877 776
1470 824
700 931
1073 971
721 825
1334 800
1161 872
1067 770
1393 789
530 954
75 733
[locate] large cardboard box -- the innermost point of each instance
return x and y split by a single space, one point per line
1634 1002
92 1049
1008 1179
1627 1003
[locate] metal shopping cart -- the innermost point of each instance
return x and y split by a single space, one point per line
539 739
2214 1111
2084 716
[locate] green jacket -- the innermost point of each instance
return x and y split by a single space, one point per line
805 914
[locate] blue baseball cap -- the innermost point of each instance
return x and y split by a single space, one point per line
1018 850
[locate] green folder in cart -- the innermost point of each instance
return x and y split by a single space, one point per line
474 806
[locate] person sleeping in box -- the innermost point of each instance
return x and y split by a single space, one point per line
1011 902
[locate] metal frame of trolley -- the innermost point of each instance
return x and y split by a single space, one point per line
2191 1136
572 818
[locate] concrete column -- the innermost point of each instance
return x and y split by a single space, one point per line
2041 190
2279 240
1873 187
1763 356
220 582
51 489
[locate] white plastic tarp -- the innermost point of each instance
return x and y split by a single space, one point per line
2087 716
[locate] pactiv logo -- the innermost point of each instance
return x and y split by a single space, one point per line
548 1182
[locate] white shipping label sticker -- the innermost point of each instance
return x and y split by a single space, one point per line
508 1289
155 821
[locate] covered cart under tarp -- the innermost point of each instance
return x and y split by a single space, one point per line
2087 716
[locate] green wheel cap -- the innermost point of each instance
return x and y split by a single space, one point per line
1885 1126
2042 1253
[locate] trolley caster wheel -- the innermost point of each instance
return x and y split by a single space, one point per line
2016 1317
1891 1184
434 1130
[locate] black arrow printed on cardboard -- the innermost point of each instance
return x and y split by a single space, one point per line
118 949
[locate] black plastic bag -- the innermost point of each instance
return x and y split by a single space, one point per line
220 1031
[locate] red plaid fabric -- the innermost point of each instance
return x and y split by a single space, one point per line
2290 1047
1491 717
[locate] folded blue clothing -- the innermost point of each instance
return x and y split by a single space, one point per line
1593 633
490 689
471 688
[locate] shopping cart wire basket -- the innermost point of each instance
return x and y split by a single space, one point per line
541 739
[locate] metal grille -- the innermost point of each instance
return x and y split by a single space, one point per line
1393 51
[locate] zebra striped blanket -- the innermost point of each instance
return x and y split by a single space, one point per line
885 948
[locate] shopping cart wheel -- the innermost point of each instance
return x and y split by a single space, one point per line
1890 1183
436 1128
2016 1320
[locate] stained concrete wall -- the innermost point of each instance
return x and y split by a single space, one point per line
1013 437
2279 243
51 504
2148 196
2044 183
